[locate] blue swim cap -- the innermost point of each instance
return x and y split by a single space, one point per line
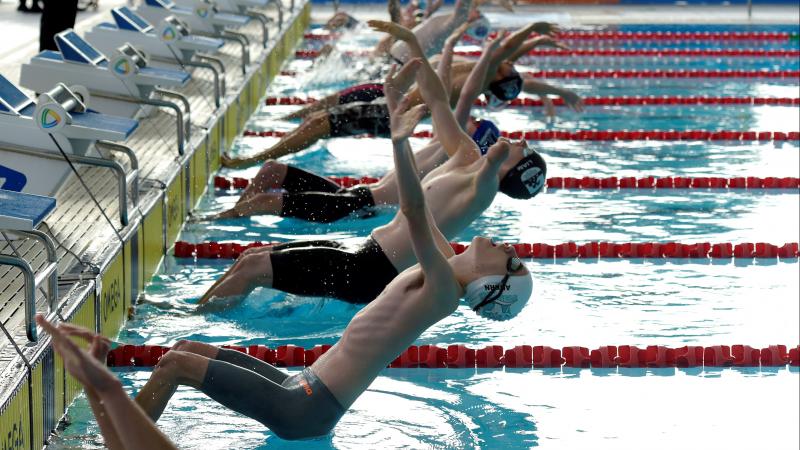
485 135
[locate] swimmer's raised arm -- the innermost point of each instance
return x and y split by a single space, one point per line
452 137
446 61
122 413
543 89
511 44
395 11
538 41
473 87
412 199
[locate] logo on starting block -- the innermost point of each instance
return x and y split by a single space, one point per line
122 67
49 118
201 12
168 34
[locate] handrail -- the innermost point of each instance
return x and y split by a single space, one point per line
278 4
30 292
134 162
152 102
261 17
215 74
182 98
122 178
234 37
52 257
221 68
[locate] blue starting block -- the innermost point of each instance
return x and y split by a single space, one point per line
19 211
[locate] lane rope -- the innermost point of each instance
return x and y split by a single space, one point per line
590 183
607 135
568 250
611 53
681 36
520 356
607 101
793 75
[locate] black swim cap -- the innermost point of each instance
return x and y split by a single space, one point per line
526 178
508 88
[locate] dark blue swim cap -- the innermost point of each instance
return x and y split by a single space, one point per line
485 135
508 88
526 178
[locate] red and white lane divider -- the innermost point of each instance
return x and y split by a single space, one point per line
593 182
578 35
610 135
567 250
609 101
521 356
792 75
614 53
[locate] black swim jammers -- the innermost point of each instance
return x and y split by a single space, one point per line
357 118
328 269
299 406
326 207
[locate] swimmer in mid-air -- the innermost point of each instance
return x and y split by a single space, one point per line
492 280
457 192
308 196
503 83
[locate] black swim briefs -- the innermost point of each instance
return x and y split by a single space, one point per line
366 92
357 118
299 406
328 207
328 269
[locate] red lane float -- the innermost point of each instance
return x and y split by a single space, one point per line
681 36
494 356
658 74
567 250
612 53
793 75
592 183
610 135
609 101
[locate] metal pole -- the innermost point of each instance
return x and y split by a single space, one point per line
749 9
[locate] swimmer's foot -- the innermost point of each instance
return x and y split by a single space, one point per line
218 304
196 218
228 161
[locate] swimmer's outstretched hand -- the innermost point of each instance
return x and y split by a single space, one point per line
88 369
398 82
546 28
398 31
403 120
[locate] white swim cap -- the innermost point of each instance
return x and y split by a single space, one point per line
479 28
500 297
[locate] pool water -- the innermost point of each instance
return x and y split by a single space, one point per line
633 302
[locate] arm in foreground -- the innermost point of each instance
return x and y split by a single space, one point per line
122 413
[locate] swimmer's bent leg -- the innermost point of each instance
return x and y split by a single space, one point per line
301 407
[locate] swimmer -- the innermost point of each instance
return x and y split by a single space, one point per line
312 197
124 425
491 279
365 92
502 81
457 192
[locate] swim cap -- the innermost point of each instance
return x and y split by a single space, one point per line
508 88
479 28
526 178
485 135
500 297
